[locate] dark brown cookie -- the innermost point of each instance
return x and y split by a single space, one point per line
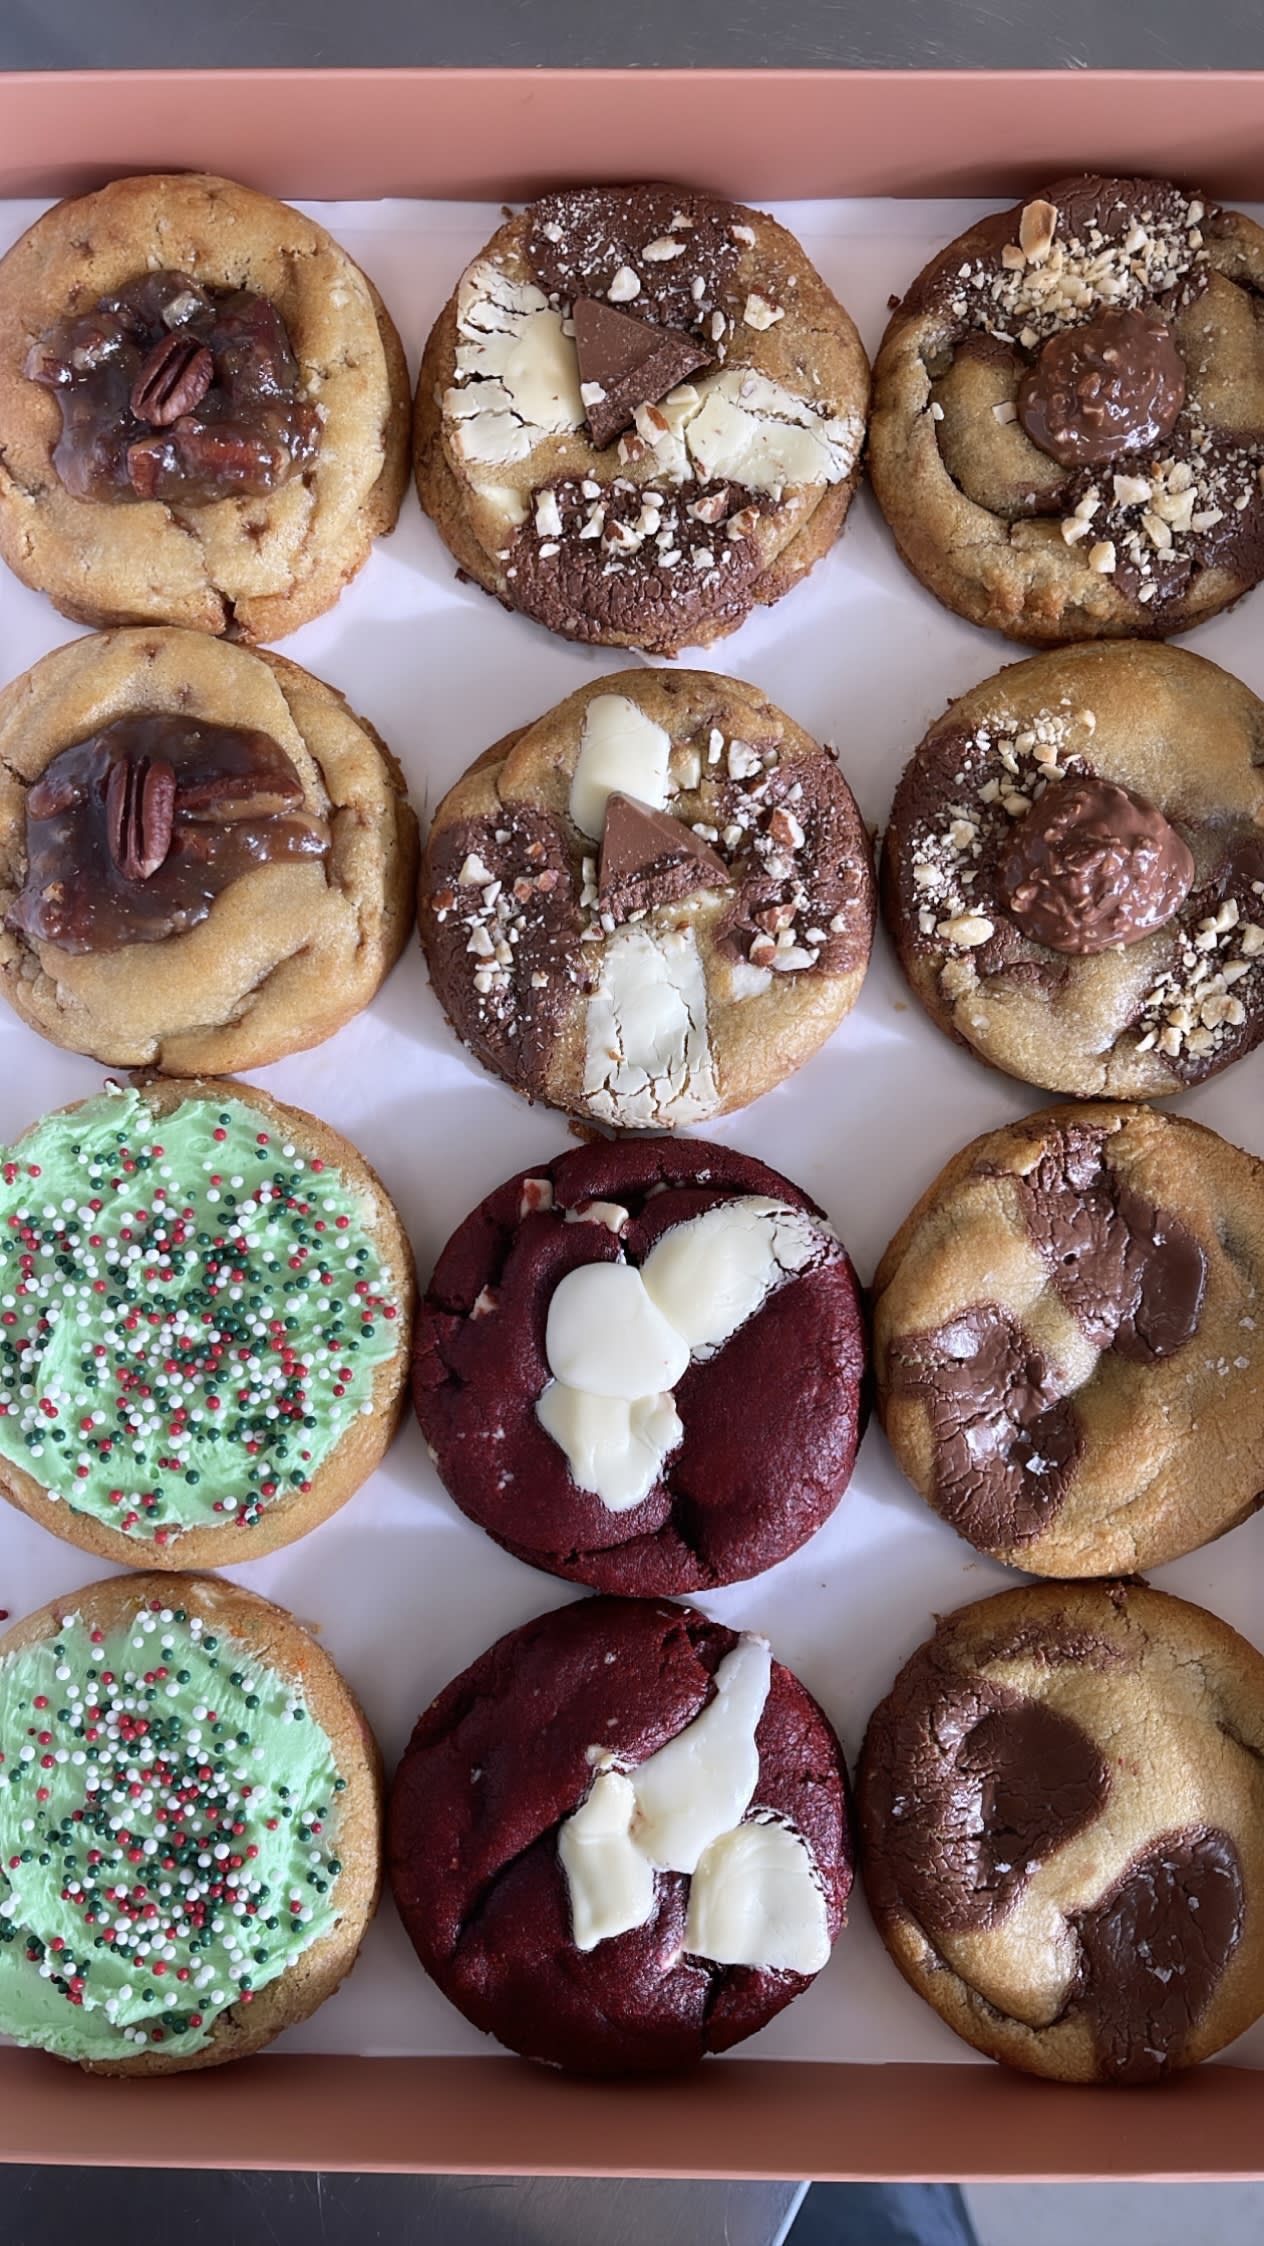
619 1841
1062 1814
1068 430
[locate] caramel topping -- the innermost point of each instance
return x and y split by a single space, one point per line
132 834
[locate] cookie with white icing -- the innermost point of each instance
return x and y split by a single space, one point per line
620 1840
640 415
651 905
642 1366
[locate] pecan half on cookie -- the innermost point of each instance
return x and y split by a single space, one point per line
640 416
1068 430
203 409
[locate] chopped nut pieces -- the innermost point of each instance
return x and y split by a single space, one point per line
1194 1006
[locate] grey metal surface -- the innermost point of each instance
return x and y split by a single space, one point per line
1106 34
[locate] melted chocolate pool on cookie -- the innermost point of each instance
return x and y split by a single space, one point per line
176 392
132 834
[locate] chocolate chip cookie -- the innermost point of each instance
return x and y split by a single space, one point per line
651 905
1068 1338
206 860
1073 871
204 409
619 1841
1062 1813
1068 429
642 1366
640 416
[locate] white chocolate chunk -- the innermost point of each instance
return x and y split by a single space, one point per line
702 1782
616 1450
709 1275
648 1051
620 748
755 1900
756 432
611 1883
518 375
605 1336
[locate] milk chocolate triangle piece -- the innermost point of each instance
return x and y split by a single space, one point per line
629 363
649 858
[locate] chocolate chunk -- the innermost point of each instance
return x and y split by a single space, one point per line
1100 392
1132 1274
512 1024
624 364
173 392
968 1788
1092 866
585 240
648 858
1005 1443
132 834
1155 1949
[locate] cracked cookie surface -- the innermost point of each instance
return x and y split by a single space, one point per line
685 1486
1160 998
1067 1340
255 565
1135 309
290 947
1061 1806
515 1750
651 905
640 415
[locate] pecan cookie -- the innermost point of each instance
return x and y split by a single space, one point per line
620 1841
1068 1333
643 1366
204 409
1068 429
206 861
652 904
640 416
1061 1806
242 1295
1073 872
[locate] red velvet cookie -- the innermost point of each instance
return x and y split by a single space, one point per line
590 1886
642 1366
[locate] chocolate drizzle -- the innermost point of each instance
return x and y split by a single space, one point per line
132 834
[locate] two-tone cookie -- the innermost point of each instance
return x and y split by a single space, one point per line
1073 870
640 415
190 1814
620 1840
207 861
642 1366
204 409
651 905
205 1333
1068 428
1067 1340
1061 1807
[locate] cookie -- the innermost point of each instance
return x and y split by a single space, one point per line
208 1914
651 905
1061 1807
207 861
640 416
620 1840
243 1298
1067 1340
642 1366
1073 872
204 409
1068 427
